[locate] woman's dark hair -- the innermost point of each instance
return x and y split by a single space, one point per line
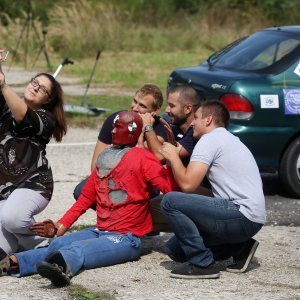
56 106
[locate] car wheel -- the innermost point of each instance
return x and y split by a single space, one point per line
289 170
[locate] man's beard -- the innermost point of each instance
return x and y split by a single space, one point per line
178 120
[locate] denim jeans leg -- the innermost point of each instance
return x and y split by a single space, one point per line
78 188
28 259
185 229
174 250
199 221
105 250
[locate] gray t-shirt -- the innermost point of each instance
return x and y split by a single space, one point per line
233 172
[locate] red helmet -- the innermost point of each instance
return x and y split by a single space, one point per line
127 127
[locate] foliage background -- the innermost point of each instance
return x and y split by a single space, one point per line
76 28
141 40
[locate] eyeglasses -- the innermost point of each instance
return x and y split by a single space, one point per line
41 88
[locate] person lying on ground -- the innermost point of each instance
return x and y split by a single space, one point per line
120 186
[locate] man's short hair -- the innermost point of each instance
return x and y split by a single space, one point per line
218 111
187 95
154 91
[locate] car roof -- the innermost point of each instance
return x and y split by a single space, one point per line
292 29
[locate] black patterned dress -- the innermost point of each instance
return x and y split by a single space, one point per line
23 162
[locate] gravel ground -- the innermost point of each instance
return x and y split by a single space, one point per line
274 274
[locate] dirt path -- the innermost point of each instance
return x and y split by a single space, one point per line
71 85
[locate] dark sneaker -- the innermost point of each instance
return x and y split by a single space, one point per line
53 272
191 271
4 262
242 261
153 233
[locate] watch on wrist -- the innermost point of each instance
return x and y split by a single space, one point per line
148 128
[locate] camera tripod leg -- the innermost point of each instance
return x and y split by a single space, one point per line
42 48
14 52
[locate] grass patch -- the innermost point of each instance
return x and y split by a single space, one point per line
80 227
133 69
78 292
111 102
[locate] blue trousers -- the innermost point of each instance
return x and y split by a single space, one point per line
206 229
84 249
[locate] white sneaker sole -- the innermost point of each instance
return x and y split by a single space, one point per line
249 258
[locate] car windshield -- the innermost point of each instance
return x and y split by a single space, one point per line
258 51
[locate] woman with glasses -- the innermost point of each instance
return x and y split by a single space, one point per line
26 184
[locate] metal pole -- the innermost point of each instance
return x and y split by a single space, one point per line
90 79
66 61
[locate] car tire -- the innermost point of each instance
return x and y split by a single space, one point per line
289 170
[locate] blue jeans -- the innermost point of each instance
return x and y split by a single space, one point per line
205 228
78 188
84 249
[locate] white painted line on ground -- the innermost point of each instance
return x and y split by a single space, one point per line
72 144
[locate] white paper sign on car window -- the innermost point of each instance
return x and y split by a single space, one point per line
269 101
297 70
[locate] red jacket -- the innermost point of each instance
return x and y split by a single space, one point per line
136 173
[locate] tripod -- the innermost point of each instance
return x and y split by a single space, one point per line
29 23
44 50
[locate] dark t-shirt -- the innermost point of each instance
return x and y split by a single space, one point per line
105 132
186 140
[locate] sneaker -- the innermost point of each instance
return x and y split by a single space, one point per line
54 272
242 261
4 262
191 271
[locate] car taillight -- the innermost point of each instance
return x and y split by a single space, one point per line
240 108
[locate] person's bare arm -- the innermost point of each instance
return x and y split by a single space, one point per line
188 178
16 104
152 142
100 146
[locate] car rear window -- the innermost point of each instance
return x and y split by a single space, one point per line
258 51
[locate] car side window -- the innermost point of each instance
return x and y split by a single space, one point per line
274 53
256 52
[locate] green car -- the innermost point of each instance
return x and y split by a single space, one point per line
258 79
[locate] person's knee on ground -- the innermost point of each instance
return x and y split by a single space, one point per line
14 221
78 189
